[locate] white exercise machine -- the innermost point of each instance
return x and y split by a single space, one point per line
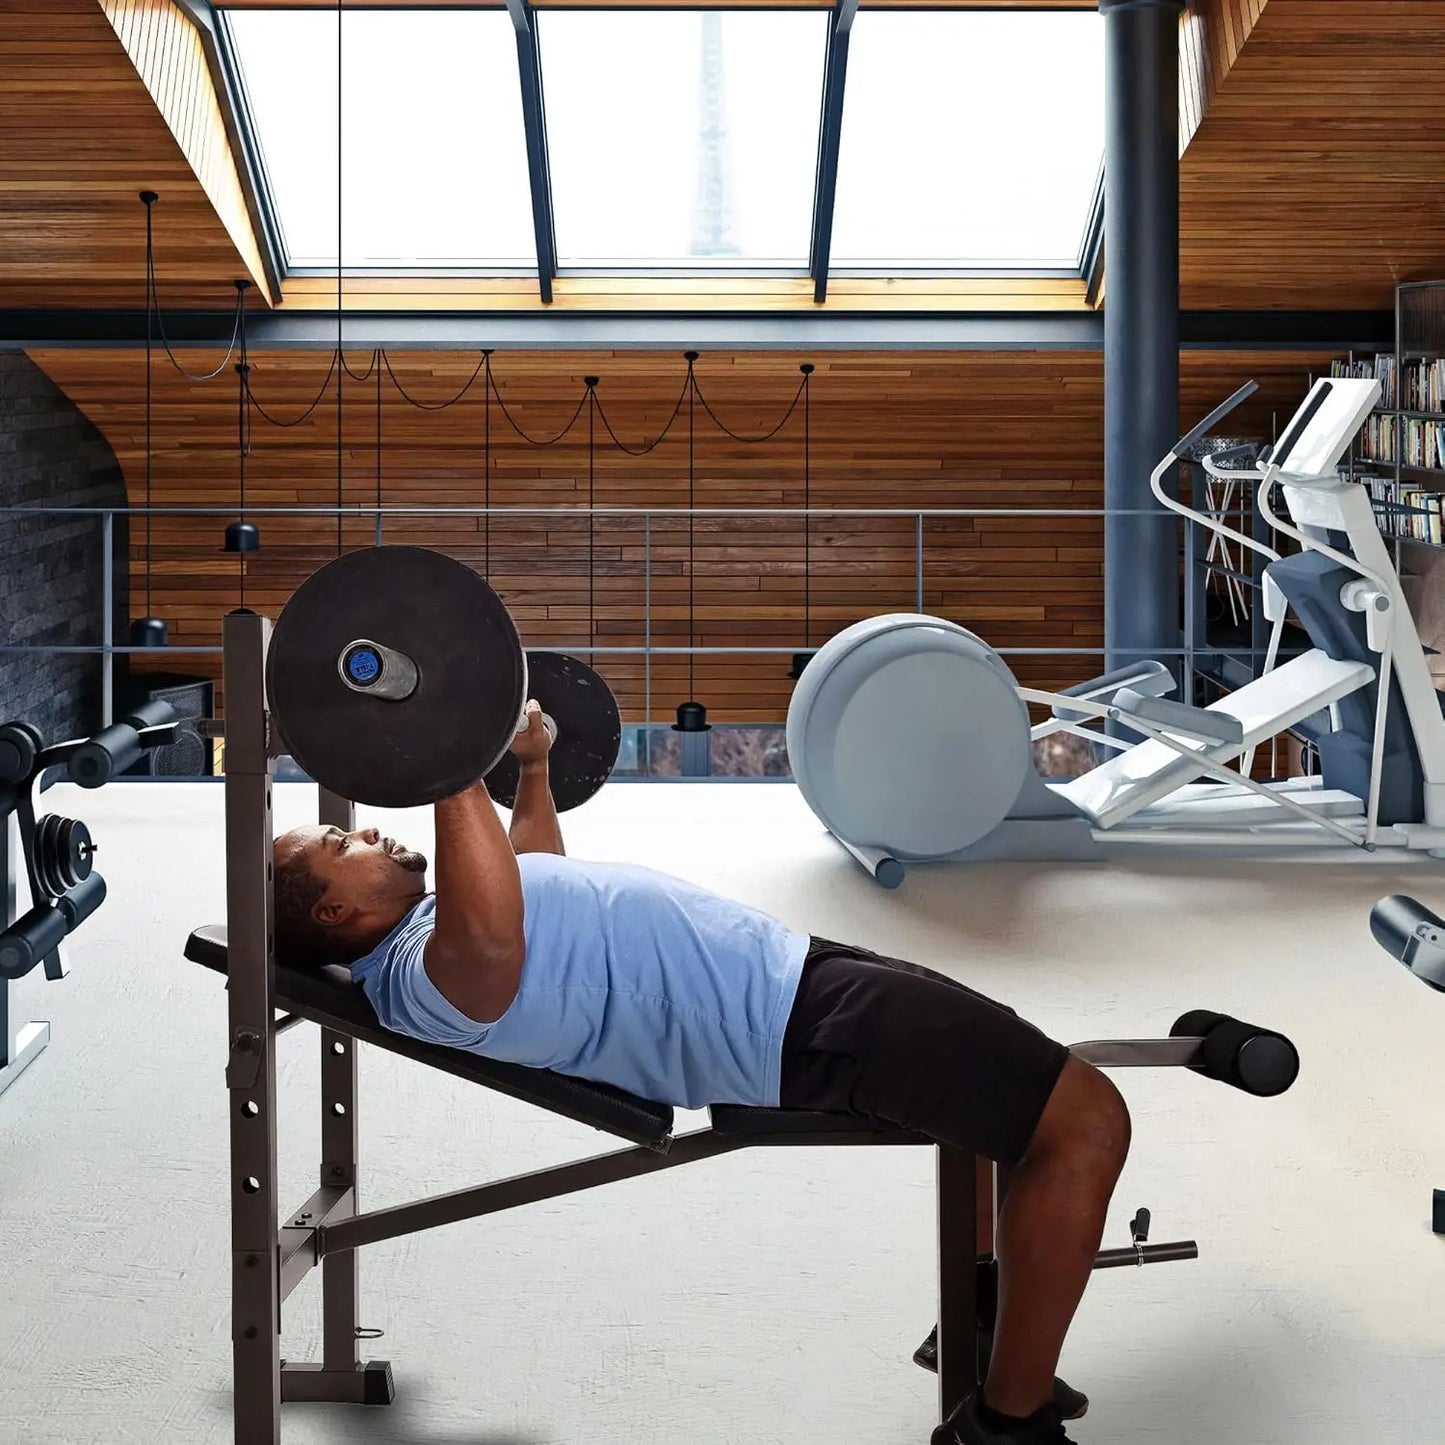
910 738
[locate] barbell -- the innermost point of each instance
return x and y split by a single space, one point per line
396 677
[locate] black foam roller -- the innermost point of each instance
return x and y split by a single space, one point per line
105 756
1245 1056
82 900
30 938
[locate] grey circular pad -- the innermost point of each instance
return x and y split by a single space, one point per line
907 733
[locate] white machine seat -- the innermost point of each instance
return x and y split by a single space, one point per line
1141 775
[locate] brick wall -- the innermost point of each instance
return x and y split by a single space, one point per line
51 567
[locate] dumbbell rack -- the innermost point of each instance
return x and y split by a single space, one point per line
22 1043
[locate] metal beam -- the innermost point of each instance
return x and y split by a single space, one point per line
38 329
534 123
830 132
245 152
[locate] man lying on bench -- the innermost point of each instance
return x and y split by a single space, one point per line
629 977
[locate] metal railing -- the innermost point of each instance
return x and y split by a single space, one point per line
650 518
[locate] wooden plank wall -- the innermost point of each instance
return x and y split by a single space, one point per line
923 430
1314 180
1211 37
165 48
72 231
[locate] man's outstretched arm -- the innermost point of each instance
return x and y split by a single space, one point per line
535 827
476 951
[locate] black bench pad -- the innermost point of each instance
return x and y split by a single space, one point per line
327 996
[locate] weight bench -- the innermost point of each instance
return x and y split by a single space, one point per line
268 1261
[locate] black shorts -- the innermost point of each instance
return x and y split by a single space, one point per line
908 1047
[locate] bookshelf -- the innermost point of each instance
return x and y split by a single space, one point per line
1400 453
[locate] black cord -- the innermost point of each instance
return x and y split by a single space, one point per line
516 425
361 375
311 406
242 368
153 300
807 370
691 488
591 516
766 436
487 464
645 447
340 375
149 198
376 367
432 405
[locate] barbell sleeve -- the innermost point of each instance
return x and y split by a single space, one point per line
377 670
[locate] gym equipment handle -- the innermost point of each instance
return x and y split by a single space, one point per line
1135 1255
1409 932
1179 717
1245 1056
1215 417
114 749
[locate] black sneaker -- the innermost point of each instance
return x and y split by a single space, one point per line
963 1427
1069 1403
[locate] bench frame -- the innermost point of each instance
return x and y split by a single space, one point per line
329 1228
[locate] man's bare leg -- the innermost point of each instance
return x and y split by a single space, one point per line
1049 1229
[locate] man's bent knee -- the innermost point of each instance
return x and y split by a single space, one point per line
1085 1116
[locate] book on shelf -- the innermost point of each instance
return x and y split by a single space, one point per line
1415 513
1382 369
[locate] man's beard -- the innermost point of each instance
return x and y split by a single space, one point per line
408 860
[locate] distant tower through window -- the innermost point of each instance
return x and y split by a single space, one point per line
712 222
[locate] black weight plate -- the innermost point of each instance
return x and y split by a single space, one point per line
76 850
471 677
47 855
589 731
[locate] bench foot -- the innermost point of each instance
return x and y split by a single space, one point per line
368 1384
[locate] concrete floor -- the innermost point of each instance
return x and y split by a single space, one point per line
767 1297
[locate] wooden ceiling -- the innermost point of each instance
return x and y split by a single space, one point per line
1316 177
72 229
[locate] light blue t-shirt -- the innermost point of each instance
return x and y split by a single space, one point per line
632 978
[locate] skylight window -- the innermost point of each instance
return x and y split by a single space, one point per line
434 157
970 139
682 138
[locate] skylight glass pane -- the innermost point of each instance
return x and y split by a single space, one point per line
433 151
971 138
683 138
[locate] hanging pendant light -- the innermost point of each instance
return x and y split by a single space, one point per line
242 536
691 715
802 659
150 630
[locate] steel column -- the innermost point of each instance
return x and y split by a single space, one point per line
1141 320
